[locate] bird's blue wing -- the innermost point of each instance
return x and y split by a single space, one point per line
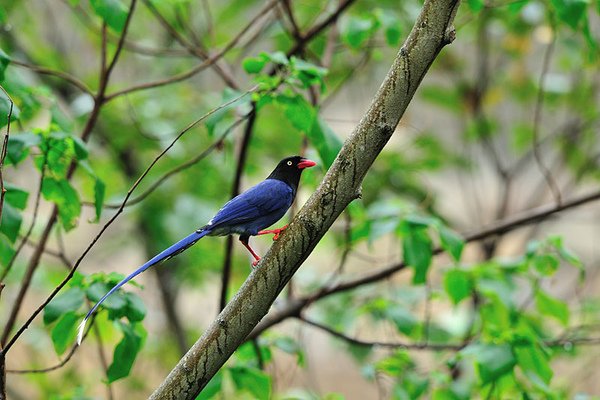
270 196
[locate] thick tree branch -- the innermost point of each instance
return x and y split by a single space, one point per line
341 185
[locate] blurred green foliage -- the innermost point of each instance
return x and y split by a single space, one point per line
487 84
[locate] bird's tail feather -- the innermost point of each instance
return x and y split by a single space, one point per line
164 255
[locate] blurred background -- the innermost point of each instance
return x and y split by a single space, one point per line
468 269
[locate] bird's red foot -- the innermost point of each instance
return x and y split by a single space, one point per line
275 232
255 263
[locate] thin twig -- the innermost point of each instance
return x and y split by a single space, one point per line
296 32
200 67
58 74
393 345
156 184
61 364
537 118
318 28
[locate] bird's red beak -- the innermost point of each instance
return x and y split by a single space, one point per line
306 164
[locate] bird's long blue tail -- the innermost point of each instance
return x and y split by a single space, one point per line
164 255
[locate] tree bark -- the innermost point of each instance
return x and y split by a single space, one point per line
341 185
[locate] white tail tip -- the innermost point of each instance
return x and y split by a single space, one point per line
80 330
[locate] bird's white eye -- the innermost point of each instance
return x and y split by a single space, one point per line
289 163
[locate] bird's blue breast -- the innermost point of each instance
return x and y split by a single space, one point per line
257 208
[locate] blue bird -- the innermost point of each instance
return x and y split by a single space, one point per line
246 214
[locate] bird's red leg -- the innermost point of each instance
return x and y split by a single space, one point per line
276 232
256 256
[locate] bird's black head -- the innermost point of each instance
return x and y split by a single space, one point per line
289 170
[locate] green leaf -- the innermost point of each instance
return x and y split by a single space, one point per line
4 61
475 5
545 264
307 73
458 284
395 364
116 302
404 320
324 139
570 257
5 109
99 193
551 306
65 197
6 250
81 151
15 196
492 361
18 145
11 222
417 252
570 11
277 57
451 241
298 111
412 384
64 332
535 365
135 308
253 381
357 31
253 65
113 12
126 351
420 221
333 396
391 26
68 301
212 388
444 394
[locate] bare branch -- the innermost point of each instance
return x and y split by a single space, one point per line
554 189
58 74
393 345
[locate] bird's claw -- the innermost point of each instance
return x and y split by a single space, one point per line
255 263
276 232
